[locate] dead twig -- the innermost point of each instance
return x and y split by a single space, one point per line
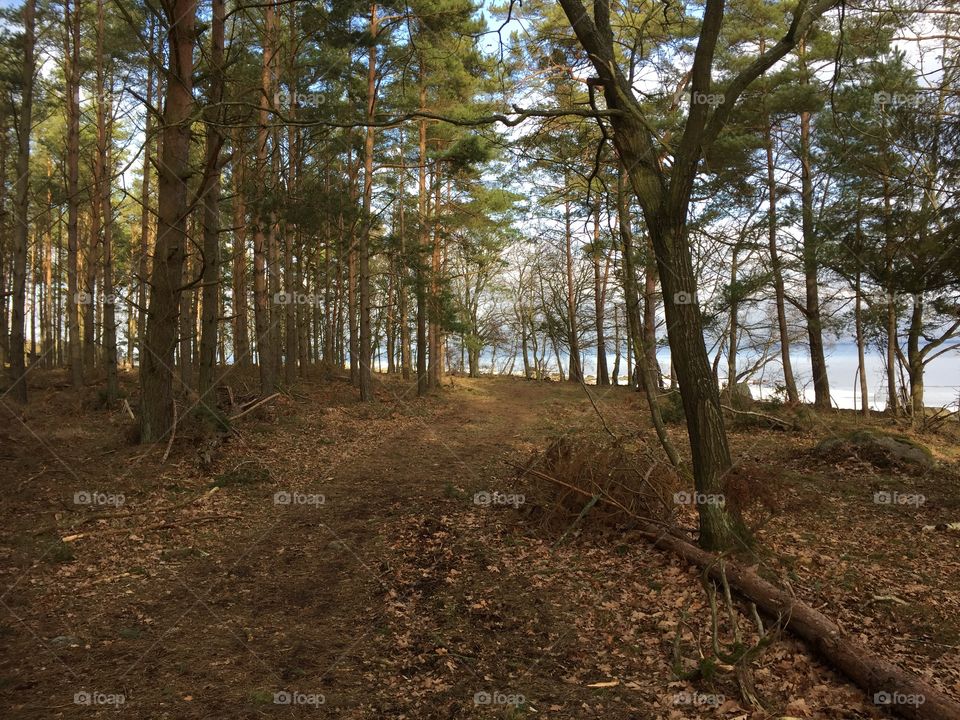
253 406
150 528
775 421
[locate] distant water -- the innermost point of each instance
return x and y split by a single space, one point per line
941 379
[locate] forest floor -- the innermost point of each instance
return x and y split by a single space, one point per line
140 587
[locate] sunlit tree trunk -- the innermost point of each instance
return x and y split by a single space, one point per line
575 373
103 207
72 75
423 382
366 379
18 389
156 374
266 353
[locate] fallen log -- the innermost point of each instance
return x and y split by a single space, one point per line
884 682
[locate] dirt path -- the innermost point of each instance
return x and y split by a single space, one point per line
398 596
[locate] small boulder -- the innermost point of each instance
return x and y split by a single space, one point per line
880 449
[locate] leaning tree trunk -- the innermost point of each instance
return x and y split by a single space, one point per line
635 329
156 375
720 526
22 209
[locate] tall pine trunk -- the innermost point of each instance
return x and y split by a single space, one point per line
156 375
811 262
575 373
366 378
72 76
266 354
776 270
210 300
599 298
22 208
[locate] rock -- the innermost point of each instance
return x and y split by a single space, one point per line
740 396
64 641
881 449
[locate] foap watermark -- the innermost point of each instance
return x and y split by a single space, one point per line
684 298
85 697
898 698
85 298
285 497
284 99
293 697
498 498
885 99
711 99
697 498
95 497
887 497
296 298
698 699
498 698
883 298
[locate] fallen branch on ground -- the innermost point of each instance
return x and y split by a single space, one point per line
150 528
869 671
254 405
775 421
131 513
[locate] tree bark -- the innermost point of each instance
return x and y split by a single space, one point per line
266 353
241 333
776 270
811 272
18 368
423 382
156 375
366 376
599 298
103 209
146 221
575 373
635 330
210 300
72 77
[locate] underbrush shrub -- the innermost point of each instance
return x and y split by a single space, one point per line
754 490
671 408
626 482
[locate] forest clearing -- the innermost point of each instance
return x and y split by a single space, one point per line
480 358
400 596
